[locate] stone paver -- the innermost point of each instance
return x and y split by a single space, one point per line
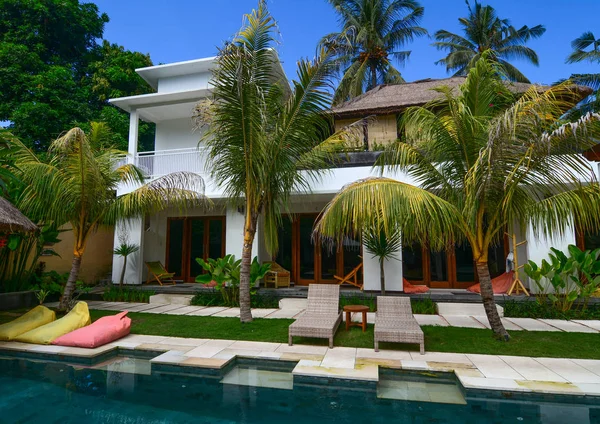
285 313
531 369
463 321
592 323
531 324
494 367
230 312
569 370
184 310
211 310
568 326
143 308
163 309
431 320
340 357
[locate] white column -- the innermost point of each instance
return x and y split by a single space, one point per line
133 230
234 236
392 269
133 136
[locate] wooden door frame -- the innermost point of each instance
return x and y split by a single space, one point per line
187 238
295 271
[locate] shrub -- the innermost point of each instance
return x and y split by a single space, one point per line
117 294
516 309
423 306
215 298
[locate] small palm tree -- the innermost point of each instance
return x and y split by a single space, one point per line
124 250
78 185
485 31
592 55
484 161
373 32
266 142
383 247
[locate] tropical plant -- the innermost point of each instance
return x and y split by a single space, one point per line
383 247
592 80
225 272
482 161
266 141
126 294
372 33
124 250
483 31
78 185
573 277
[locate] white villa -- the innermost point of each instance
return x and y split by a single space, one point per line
177 240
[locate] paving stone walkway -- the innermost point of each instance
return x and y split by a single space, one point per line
512 324
489 372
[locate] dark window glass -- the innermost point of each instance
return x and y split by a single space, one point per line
175 246
591 241
196 246
352 255
465 267
284 255
412 262
438 265
215 238
496 259
307 251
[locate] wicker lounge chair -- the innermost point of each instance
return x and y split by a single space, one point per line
277 275
394 322
322 317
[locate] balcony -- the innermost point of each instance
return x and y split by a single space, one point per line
162 162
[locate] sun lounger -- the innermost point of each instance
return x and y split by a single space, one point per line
394 322
322 317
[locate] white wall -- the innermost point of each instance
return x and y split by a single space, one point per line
184 83
392 269
539 246
234 236
133 229
176 134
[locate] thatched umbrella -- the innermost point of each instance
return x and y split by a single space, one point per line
12 220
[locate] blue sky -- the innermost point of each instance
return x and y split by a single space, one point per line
179 30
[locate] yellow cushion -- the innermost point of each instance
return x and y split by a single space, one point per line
35 318
77 318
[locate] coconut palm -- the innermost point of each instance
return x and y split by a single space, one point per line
265 141
384 247
583 53
78 185
373 32
484 161
484 30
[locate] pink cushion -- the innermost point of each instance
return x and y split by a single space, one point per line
100 332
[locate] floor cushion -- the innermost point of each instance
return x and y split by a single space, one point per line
102 331
501 284
33 319
409 288
77 318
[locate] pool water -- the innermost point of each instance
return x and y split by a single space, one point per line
126 390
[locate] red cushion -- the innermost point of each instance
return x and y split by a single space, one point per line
100 332
409 288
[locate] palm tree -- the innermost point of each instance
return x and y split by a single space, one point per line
580 54
384 247
484 161
485 31
124 250
78 185
265 141
373 32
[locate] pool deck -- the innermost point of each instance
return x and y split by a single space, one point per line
546 376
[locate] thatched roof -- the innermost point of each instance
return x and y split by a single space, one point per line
390 99
12 220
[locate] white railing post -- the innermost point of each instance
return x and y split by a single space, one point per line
133 136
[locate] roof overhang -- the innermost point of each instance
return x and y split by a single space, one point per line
152 74
158 107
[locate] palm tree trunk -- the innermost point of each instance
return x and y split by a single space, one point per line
249 234
382 276
70 286
123 273
487 295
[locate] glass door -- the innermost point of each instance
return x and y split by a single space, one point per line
306 250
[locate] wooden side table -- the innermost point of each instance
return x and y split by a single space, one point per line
350 309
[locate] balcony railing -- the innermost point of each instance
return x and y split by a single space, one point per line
162 162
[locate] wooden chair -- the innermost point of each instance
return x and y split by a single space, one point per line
351 278
159 273
277 275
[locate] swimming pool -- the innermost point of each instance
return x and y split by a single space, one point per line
127 390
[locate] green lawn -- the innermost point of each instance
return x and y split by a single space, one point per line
438 339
